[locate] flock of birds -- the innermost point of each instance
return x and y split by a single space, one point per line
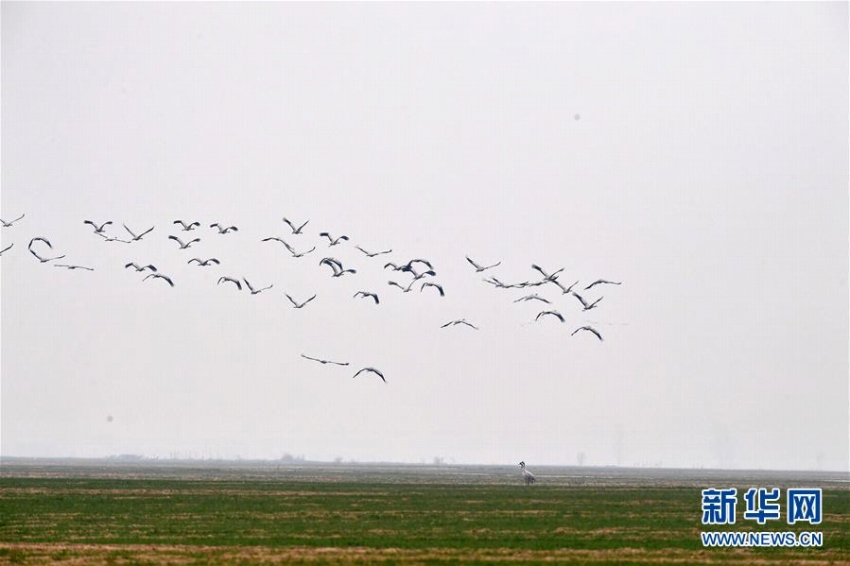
419 273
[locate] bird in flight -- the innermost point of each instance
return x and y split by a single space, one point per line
333 241
429 284
204 262
459 321
256 291
602 282
136 238
564 290
72 267
288 247
373 254
556 314
408 267
547 276
98 229
7 248
293 228
136 266
584 303
187 227
49 245
534 297
230 280
589 329
336 266
324 361
9 224
366 294
480 268
498 284
160 276
403 288
112 238
373 370
223 229
296 304
183 245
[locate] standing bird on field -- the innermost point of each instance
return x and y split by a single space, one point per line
480 268
373 370
187 227
49 245
224 230
9 224
182 245
333 241
589 329
526 475
293 228
98 229
136 238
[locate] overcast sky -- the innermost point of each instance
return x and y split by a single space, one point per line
697 153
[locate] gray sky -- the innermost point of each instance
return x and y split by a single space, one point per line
707 171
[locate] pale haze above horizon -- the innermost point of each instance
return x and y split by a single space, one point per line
695 153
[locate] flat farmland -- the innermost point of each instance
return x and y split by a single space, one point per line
184 513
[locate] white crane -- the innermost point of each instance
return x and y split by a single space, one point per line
526 475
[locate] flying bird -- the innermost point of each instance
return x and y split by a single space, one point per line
256 291
564 290
187 227
373 254
602 282
429 284
9 224
556 314
325 361
584 303
459 321
589 329
7 248
373 370
224 230
547 276
136 266
526 475
183 246
49 245
230 280
366 294
72 267
112 238
294 229
534 297
288 247
333 241
480 268
336 266
204 262
136 238
296 304
403 288
160 276
98 229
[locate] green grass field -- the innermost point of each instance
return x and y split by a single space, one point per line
203 515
